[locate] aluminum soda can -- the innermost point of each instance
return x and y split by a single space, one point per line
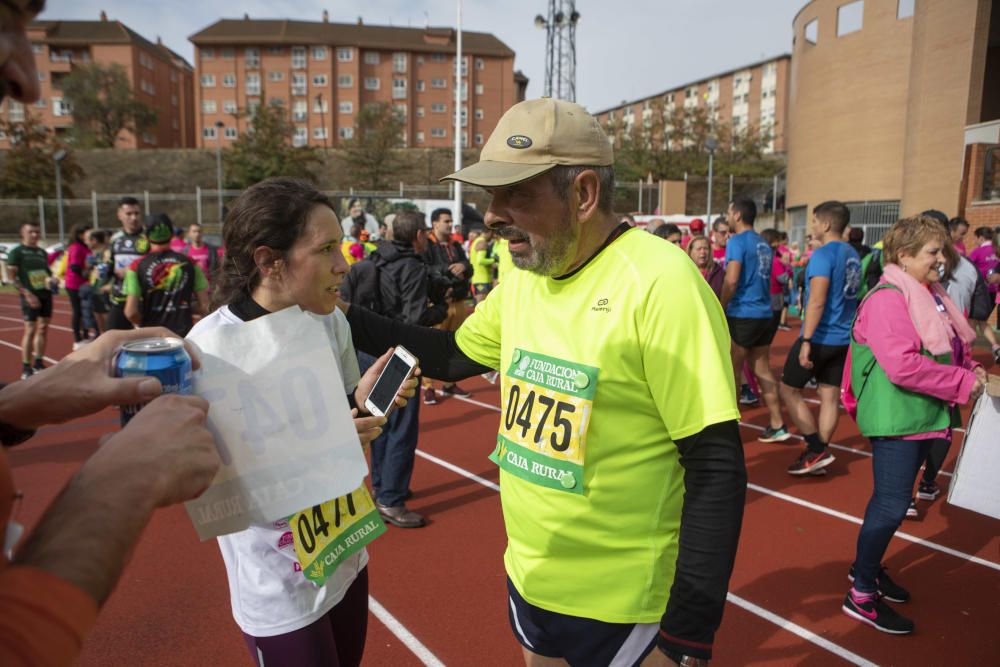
162 358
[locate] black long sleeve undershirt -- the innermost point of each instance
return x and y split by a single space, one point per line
715 483
439 354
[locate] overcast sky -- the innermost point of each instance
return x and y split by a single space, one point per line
626 49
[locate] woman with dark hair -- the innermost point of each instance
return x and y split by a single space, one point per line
76 276
909 366
282 243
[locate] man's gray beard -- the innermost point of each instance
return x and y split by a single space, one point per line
553 259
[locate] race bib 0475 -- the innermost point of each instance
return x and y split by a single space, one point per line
543 427
325 535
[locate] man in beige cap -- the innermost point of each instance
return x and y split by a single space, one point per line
621 470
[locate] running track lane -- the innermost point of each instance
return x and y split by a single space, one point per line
445 583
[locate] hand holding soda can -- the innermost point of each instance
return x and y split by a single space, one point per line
162 358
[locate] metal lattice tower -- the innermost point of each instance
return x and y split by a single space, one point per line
560 48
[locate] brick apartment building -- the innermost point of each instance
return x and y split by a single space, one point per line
160 77
755 95
324 72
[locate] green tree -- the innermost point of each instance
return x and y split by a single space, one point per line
371 154
266 150
30 170
104 105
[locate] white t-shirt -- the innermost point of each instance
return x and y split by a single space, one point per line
269 594
962 284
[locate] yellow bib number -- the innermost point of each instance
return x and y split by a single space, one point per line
325 535
38 280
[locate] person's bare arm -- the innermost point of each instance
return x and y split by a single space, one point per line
731 281
819 287
165 455
201 306
132 311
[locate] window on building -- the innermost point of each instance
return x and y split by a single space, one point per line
208 132
174 124
811 31
439 83
173 100
301 136
252 106
298 84
275 75
372 57
208 81
420 137
480 64
300 111
345 81
905 9
479 114
208 54
400 109
319 133
399 63
229 106
345 54
399 89
346 133
420 85
228 53
439 108
346 107
40 103
253 84
850 17
479 139
230 133
16 112
208 106
479 89
420 112
298 57
276 101
228 80
251 57
319 53
320 80
61 107
173 76
439 57
439 132
320 105
372 83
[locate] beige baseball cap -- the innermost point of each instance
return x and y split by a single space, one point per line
533 137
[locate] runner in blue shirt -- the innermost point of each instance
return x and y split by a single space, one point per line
833 278
746 296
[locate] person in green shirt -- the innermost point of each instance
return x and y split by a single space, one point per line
28 266
622 478
482 264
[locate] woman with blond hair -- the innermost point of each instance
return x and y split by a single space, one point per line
909 366
699 249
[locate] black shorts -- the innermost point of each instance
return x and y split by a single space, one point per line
44 308
752 331
481 289
579 641
828 365
99 301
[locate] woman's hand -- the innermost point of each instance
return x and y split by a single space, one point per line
368 428
367 382
978 387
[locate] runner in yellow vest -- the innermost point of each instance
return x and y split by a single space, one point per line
621 469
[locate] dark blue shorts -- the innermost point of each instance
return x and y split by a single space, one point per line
582 642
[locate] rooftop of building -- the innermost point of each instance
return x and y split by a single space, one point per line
704 79
69 34
247 31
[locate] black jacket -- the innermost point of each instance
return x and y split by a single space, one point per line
395 282
440 256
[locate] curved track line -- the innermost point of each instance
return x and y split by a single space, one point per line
388 620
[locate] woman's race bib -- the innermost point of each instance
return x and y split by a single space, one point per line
325 535
546 413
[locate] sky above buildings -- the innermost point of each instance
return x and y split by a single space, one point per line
626 49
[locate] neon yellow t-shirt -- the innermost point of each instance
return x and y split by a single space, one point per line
482 264
601 372
505 264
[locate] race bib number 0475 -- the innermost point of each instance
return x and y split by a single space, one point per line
543 427
325 535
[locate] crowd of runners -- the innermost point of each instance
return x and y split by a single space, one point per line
621 359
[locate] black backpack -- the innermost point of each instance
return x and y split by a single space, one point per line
362 286
982 300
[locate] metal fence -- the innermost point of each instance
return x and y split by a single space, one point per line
873 217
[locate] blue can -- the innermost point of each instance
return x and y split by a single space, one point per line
162 358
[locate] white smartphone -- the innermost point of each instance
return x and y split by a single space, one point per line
382 398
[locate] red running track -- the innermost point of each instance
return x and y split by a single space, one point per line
440 590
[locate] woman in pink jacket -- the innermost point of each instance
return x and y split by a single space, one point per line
76 267
909 366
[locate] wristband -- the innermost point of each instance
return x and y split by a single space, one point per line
807 340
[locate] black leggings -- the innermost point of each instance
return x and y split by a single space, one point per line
79 333
936 454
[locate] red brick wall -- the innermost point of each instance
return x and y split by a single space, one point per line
978 213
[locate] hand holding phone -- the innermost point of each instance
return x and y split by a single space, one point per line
400 368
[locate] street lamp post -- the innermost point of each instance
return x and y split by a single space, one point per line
322 117
219 125
58 157
456 216
711 144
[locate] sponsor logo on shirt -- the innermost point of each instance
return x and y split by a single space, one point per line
601 307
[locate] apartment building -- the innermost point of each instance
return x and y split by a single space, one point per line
755 95
160 77
324 73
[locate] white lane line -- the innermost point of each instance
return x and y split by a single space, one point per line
832 445
18 348
796 629
58 311
857 520
752 608
814 506
395 627
12 329
51 326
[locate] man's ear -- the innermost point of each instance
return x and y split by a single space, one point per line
587 191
